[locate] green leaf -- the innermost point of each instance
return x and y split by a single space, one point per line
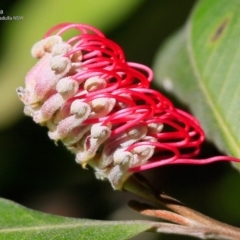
200 65
17 222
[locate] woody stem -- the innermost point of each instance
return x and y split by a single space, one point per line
138 185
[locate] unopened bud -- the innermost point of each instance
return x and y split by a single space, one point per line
45 45
142 154
133 135
60 64
118 175
51 41
67 87
50 106
98 131
80 108
94 84
102 106
61 49
122 157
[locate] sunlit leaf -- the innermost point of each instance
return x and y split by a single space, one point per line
17 222
200 65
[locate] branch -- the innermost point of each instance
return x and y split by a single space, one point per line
186 220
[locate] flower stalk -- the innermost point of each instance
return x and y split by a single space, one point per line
184 220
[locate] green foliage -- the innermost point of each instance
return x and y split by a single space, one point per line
200 64
17 222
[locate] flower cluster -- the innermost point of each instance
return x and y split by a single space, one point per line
102 108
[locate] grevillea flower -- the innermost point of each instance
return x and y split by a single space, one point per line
102 108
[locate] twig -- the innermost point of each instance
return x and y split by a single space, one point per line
195 222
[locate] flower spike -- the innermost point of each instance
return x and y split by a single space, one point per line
102 108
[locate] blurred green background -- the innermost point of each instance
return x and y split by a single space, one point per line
36 173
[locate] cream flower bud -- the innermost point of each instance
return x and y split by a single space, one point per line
80 108
100 132
40 48
102 106
50 106
51 41
61 49
98 135
74 137
122 157
133 135
142 154
67 87
60 64
94 84
37 50
80 111
117 176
